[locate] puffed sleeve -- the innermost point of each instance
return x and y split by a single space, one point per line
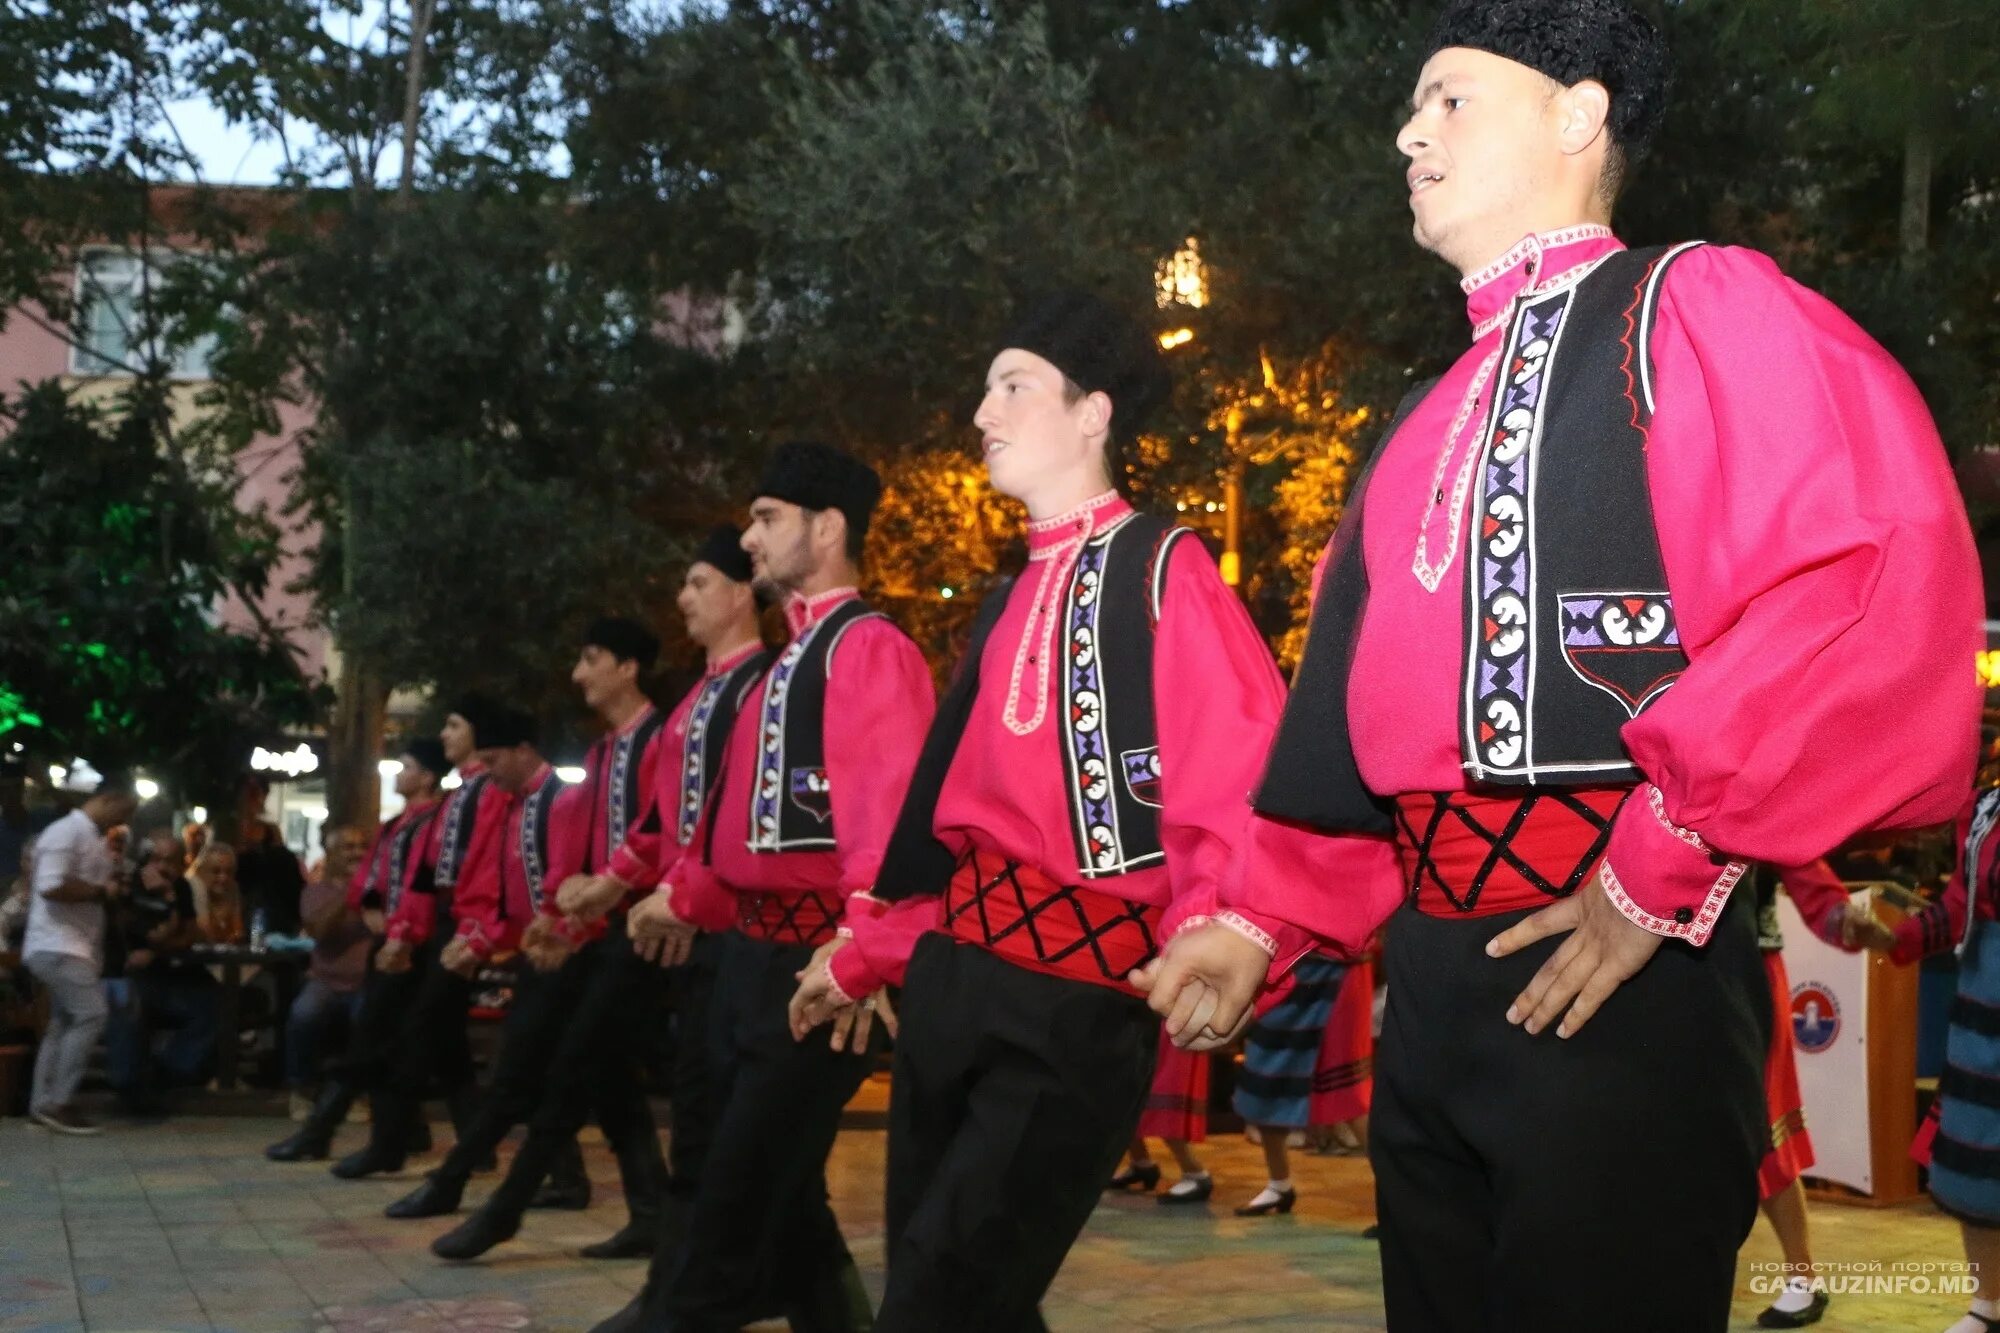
1825 587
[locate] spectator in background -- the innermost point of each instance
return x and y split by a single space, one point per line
156 986
267 869
71 882
194 837
331 998
218 900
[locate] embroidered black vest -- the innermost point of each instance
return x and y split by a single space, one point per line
461 814
1570 629
614 785
710 720
1109 730
533 842
791 803
399 855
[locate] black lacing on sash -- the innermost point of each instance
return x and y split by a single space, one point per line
1500 845
995 876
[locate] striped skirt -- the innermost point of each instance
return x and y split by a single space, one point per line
1302 1064
1965 1154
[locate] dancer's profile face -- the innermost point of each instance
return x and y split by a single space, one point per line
710 602
1035 427
457 738
600 673
785 542
1486 154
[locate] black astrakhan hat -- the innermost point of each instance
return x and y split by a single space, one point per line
507 727
478 711
1570 41
819 476
428 751
625 639
723 549
1100 348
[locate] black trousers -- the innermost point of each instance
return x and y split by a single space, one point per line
1535 1183
555 1069
386 998
760 1236
1015 1095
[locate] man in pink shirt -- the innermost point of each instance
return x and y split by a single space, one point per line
815 765
1666 575
1081 797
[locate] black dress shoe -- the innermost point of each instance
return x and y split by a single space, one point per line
1282 1204
568 1195
1198 1190
475 1235
433 1198
632 1242
369 1161
306 1145
1143 1176
1773 1317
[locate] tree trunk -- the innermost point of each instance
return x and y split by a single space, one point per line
413 92
1919 153
354 744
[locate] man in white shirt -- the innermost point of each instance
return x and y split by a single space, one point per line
72 878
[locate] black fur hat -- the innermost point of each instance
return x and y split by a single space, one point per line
428 751
625 639
723 549
506 727
1570 41
819 476
1100 348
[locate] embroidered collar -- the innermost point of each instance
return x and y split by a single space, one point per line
803 611
1537 264
415 808
733 658
1047 536
469 770
542 775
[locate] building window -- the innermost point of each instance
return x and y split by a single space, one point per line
110 287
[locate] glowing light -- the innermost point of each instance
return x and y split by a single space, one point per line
1183 279
1988 666
1232 568
945 593
316 812
452 781
571 773
1177 338
146 788
57 773
198 815
291 763
1209 507
389 768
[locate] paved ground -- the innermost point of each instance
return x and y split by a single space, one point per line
185 1226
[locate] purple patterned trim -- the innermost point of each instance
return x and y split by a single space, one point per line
1501 583
694 774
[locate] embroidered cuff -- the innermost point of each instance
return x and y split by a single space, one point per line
849 977
1249 930
475 939
1664 877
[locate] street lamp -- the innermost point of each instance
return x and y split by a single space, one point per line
1183 278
